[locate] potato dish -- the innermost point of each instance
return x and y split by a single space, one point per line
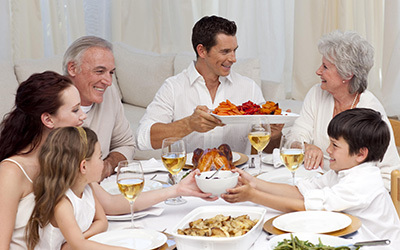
219 226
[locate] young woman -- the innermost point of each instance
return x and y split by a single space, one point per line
43 102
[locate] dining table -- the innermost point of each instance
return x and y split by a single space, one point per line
170 215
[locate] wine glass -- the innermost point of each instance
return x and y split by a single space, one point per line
292 154
130 180
173 156
259 137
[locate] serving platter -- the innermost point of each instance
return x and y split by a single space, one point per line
284 118
238 159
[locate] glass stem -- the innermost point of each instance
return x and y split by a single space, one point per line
294 181
259 166
132 213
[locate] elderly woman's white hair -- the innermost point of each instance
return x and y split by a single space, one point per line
352 55
78 48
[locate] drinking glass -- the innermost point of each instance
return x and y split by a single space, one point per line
130 180
173 156
259 137
292 154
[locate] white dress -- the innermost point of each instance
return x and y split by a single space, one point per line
25 208
84 210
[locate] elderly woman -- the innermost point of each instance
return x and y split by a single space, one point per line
346 61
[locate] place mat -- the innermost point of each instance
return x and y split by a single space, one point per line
354 226
242 160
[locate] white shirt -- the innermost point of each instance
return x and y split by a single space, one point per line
181 94
317 112
358 191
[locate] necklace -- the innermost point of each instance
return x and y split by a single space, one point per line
354 101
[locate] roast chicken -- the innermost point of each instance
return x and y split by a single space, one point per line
213 158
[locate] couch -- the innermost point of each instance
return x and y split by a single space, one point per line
139 74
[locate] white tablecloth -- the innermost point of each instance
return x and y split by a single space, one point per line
174 213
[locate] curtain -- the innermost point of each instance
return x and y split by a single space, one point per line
314 18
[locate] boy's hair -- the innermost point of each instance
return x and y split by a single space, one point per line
59 158
205 31
361 128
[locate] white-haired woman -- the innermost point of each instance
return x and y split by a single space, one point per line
346 60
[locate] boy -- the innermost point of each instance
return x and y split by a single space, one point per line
358 140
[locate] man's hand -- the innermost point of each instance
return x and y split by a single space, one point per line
202 121
110 162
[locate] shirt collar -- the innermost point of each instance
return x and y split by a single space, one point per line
194 75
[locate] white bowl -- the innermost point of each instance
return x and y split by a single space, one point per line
217 185
245 241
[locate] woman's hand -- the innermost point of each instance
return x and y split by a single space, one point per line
188 187
313 157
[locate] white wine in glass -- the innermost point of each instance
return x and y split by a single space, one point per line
292 154
259 137
173 156
130 180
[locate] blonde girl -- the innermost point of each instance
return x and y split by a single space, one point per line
66 210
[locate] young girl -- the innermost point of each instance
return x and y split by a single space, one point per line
66 210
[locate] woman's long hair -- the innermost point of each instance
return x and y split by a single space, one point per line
59 158
23 126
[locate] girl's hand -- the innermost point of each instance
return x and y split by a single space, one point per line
313 157
188 187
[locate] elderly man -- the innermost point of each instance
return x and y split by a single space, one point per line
181 107
89 63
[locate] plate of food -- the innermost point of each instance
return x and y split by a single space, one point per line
139 239
283 118
308 239
312 222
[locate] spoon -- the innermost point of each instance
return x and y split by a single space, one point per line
370 243
209 177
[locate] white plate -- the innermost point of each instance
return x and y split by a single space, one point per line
273 119
137 215
312 222
189 156
268 159
112 186
311 237
139 239
283 175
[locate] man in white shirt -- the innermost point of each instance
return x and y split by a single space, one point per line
181 107
89 63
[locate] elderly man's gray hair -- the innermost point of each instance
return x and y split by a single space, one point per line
78 48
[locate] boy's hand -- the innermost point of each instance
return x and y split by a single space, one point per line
238 194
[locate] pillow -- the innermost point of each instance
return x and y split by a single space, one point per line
24 68
140 73
249 67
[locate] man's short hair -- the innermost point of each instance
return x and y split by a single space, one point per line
207 28
78 48
361 128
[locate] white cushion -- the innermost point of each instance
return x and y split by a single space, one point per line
8 87
140 74
249 67
24 68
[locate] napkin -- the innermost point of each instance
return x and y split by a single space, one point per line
277 158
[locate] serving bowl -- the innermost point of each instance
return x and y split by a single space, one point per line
245 241
218 184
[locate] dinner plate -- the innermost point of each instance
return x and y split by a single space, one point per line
150 166
311 237
283 175
189 156
268 159
284 118
137 215
112 186
139 239
312 222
